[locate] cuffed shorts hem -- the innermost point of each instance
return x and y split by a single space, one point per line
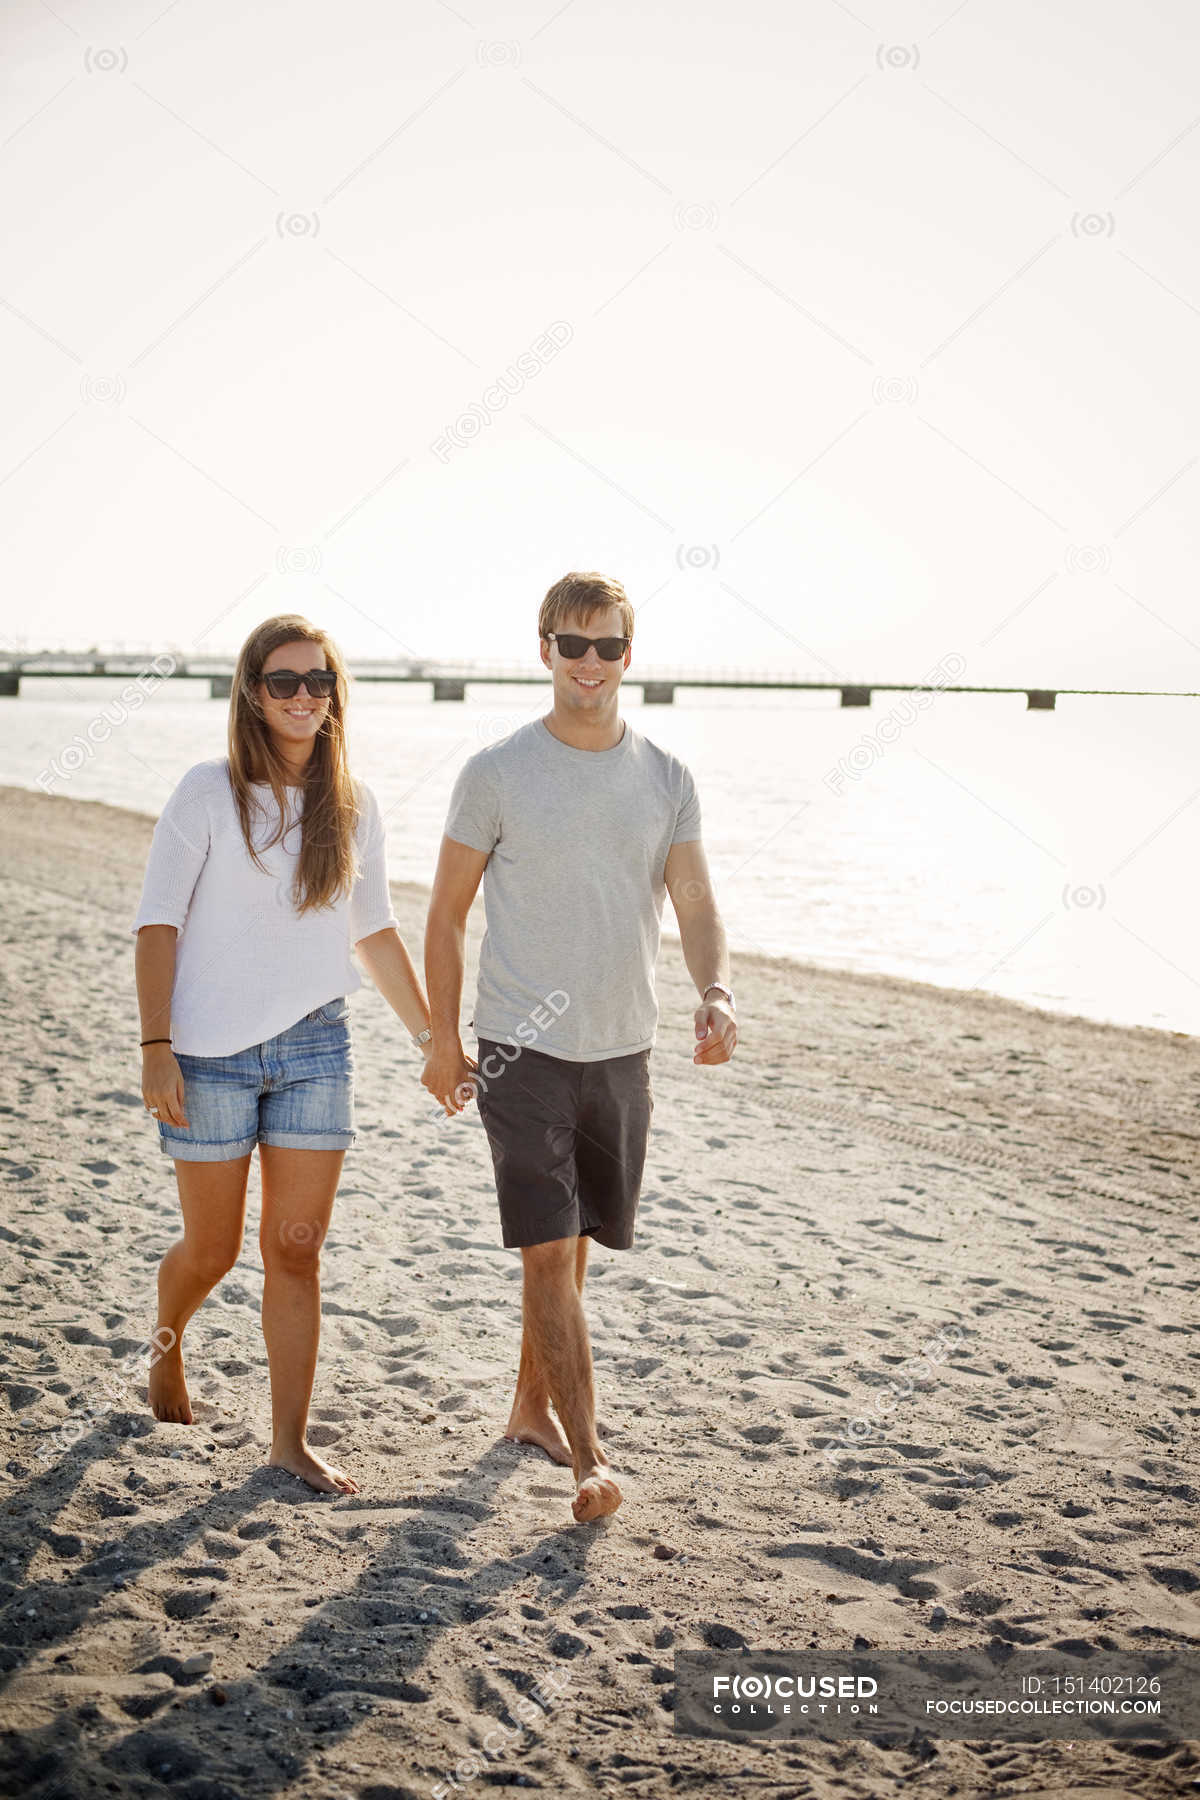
184 1150
187 1150
308 1140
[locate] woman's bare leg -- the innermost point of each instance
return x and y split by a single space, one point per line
298 1188
212 1197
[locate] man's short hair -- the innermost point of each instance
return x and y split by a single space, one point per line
582 597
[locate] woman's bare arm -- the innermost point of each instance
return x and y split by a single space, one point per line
459 871
385 957
154 972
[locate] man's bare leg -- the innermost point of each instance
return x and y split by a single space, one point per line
531 1420
560 1351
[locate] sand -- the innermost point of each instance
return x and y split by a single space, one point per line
882 1161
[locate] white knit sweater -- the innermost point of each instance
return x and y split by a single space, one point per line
247 965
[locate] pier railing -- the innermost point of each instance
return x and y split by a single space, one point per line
449 680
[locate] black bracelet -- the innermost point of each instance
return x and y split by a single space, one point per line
146 1041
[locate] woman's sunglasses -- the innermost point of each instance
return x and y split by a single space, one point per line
285 684
572 647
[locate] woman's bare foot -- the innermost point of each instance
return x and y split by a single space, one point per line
299 1460
168 1393
532 1424
598 1493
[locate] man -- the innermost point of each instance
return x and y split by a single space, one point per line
577 826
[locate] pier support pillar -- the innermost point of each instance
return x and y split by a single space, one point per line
856 696
220 687
1040 700
444 688
10 683
658 693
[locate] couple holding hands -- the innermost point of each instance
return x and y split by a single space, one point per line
268 868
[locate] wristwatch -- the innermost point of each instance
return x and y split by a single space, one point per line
721 989
423 1037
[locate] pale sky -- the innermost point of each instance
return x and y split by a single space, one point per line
859 335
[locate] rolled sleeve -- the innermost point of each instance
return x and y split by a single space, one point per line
178 851
371 898
687 817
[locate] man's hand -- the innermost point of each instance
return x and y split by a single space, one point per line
447 1076
716 1032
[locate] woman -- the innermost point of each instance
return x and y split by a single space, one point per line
266 868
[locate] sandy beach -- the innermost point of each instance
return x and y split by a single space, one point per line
881 1163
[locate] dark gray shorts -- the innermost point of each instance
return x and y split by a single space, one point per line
568 1142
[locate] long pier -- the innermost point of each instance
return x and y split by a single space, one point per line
449 680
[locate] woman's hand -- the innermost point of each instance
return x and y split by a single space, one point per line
162 1084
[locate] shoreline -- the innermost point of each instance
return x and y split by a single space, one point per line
416 894
883 1168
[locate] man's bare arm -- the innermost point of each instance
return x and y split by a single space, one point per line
705 950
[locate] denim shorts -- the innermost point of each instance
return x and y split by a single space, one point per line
295 1090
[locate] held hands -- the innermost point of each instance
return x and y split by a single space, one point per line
447 1076
162 1085
716 1033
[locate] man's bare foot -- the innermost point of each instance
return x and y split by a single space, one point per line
598 1494
299 1460
168 1393
531 1424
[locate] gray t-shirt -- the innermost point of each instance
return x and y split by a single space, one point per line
573 889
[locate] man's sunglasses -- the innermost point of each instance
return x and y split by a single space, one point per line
285 684
572 647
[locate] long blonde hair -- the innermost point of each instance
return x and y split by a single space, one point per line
326 867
